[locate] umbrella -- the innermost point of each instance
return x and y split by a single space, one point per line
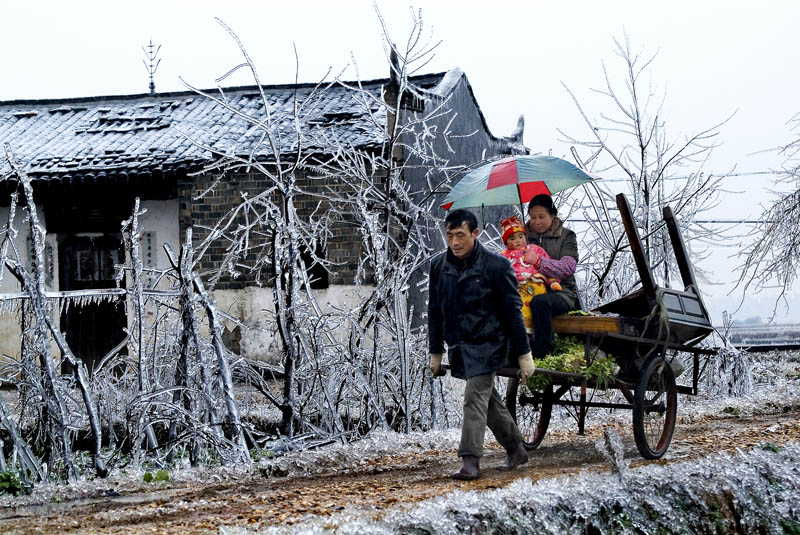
515 180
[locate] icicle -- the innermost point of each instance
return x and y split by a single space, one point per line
8 306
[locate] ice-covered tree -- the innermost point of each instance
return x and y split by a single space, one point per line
359 366
629 137
772 259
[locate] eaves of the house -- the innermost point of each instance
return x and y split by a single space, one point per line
150 136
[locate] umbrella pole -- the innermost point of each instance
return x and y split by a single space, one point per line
521 204
483 217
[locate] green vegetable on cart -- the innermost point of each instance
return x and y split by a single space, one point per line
568 355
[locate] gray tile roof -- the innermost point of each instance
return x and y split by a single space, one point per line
97 136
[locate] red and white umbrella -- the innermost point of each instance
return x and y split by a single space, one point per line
515 180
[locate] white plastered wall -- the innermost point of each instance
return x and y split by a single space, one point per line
161 220
10 332
254 307
158 225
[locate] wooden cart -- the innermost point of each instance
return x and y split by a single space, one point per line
642 330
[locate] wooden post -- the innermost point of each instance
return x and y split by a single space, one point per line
681 255
582 409
639 254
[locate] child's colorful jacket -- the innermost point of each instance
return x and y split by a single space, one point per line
531 282
525 271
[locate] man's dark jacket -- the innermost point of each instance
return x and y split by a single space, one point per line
474 306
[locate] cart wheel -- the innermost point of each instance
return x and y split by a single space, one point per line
532 418
655 405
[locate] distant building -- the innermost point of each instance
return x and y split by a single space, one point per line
90 157
764 335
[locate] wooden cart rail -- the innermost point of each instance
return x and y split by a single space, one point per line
623 332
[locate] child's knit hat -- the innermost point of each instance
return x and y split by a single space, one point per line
509 226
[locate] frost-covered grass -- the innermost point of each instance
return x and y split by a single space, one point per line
757 491
339 458
776 383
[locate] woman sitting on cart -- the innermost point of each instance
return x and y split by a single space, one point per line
546 230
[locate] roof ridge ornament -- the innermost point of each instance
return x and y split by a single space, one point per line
151 64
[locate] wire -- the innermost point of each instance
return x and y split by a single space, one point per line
723 175
702 221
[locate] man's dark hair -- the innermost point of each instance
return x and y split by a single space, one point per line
545 201
455 218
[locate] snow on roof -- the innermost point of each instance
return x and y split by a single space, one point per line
96 136
448 82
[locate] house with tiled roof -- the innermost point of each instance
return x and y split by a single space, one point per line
90 157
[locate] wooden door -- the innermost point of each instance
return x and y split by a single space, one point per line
87 262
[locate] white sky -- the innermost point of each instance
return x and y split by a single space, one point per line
714 58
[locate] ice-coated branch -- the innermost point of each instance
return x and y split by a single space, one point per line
224 370
190 334
34 285
132 237
771 258
28 461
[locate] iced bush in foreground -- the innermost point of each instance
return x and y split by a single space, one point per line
757 491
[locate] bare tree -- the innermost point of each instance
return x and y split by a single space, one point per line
341 368
630 138
771 260
56 417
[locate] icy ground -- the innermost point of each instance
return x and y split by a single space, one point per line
307 491
754 491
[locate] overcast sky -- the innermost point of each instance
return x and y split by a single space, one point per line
714 58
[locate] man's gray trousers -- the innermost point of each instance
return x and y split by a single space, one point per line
483 406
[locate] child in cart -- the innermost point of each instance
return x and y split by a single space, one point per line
531 281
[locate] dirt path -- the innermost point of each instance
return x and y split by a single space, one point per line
384 483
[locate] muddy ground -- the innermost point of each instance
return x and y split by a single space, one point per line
384 482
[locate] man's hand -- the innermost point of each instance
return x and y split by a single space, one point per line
526 366
530 257
435 364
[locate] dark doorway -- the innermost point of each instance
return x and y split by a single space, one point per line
87 262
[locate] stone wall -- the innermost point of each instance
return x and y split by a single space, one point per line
343 246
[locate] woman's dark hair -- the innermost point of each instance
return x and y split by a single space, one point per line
545 201
455 218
